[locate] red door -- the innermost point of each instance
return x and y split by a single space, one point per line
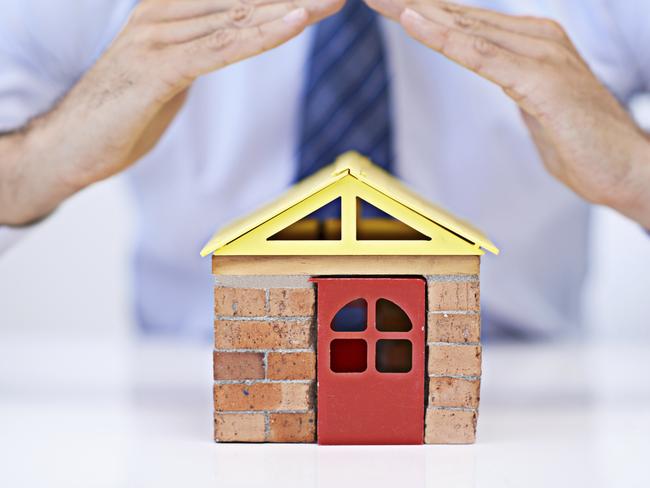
370 360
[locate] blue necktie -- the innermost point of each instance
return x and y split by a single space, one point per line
346 102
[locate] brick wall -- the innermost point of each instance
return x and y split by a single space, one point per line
453 359
264 360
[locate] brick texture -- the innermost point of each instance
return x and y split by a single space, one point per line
292 302
253 334
262 396
454 360
454 327
238 365
229 427
265 367
450 426
264 364
292 427
454 295
454 392
291 366
239 302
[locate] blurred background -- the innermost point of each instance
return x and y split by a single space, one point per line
71 274
88 403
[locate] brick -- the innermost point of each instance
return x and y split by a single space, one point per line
449 360
291 366
239 302
454 392
454 327
262 396
292 302
454 295
239 427
292 427
450 426
238 365
256 334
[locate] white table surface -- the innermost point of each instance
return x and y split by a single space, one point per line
105 412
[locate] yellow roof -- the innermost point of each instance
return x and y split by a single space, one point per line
350 175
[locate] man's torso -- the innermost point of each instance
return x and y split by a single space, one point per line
458 140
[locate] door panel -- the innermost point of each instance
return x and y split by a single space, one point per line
371 360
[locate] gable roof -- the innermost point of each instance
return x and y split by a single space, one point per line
350 166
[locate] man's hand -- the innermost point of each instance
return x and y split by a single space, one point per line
121 107
586 139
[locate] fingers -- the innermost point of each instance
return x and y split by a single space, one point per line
476 53
246 15
516 42
520 54
388 8
176 10
530 26
320 9
171 10
193 37
227 46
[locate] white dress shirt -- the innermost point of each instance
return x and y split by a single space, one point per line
459 141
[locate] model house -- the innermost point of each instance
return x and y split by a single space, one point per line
347 312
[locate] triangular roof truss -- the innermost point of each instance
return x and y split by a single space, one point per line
351 178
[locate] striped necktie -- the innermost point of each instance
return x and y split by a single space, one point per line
346 102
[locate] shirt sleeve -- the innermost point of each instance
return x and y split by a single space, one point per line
10 236
631 21
45 47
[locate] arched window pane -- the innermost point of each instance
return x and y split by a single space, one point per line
351 318
391 317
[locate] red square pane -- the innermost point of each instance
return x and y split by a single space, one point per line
348 355
394 356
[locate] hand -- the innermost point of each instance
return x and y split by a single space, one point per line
586 139
165 46
123 104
